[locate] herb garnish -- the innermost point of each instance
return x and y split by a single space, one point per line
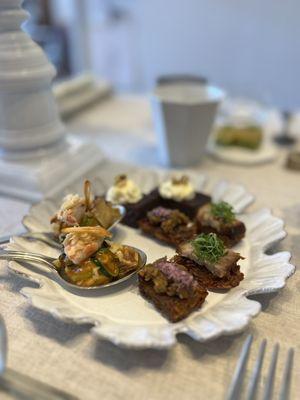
224 211
208 247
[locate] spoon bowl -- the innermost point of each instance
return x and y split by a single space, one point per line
12 255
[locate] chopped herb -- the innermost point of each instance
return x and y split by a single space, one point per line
224 211
208 247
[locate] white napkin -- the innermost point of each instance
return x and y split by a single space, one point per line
79 92
11 214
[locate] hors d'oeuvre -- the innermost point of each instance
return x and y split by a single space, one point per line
179 193
220 218
84 211
175 193
170 226
89 259
126 192
210 262
171 288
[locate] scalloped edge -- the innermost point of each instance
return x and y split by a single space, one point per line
268 230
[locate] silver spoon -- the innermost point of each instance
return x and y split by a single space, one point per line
12 255
45 237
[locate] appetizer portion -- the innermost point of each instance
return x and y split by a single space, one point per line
171 288
126 192
170 226
220 218
175 193
249 137
211 263
89 259
84 211
177 188
179 193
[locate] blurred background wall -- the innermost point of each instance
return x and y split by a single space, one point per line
251 48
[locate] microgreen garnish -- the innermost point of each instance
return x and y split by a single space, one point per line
224 211
208 247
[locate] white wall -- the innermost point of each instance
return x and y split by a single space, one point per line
250 47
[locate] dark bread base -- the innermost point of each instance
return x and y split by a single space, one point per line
188 207
137 211
229 235
206 279
183 235
172 307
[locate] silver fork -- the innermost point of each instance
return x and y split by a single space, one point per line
235 388
22 386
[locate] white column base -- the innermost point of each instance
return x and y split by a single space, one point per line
50 171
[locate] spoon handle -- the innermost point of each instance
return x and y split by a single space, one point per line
44 237
25 256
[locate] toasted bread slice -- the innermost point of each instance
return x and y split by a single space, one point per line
172 307
182 235
230 233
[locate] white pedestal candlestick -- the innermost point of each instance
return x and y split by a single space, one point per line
35 158
28 114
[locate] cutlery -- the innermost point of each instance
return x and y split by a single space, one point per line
22 386
234 392
45 237
12 255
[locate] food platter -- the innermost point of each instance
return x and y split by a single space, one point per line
122 316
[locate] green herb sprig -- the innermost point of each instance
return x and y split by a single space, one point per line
224 211
208 247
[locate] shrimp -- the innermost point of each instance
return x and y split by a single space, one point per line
72 210
80 246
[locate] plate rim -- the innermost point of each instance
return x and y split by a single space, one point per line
250 308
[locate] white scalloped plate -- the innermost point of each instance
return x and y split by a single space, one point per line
123 317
